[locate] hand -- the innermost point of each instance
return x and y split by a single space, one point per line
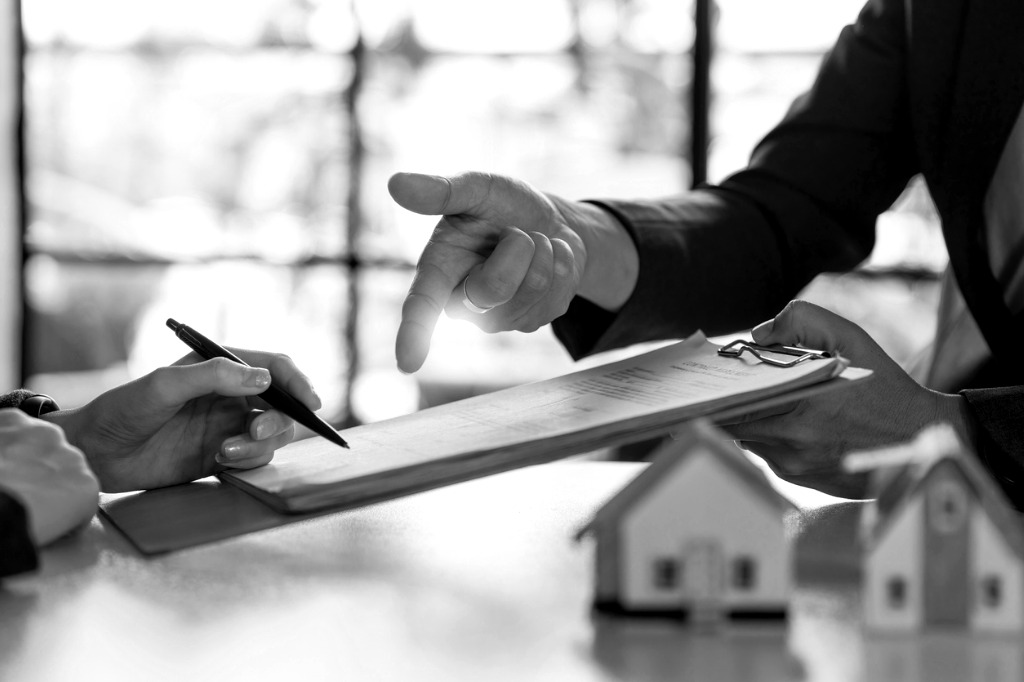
523 255
46 474
187 421
805 442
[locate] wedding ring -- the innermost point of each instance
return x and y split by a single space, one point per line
472 307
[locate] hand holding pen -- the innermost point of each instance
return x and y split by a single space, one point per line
186 421
274 395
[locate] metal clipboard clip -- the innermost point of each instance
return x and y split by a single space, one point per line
740 346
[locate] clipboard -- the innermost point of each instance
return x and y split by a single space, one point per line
766 354
607 405
508 429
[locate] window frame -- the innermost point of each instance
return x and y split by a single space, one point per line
353 261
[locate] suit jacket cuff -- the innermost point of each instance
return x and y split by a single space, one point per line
17 553
682 285
998 413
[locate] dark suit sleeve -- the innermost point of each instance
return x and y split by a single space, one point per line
725 258
17 553
999 414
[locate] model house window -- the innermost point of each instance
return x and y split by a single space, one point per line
991 591
896 592
947 502
666 573
744 573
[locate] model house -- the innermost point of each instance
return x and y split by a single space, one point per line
943 547
699 533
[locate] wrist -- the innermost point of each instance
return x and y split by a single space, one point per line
63 419
612 261
952 409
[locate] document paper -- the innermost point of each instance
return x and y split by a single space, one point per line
611 404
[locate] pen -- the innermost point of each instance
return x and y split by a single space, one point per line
277 397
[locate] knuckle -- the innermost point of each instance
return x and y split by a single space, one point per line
50 436
12 416
530 326
797 308
537 282
223 367
159 376
490 324
500 287
416 302
279 360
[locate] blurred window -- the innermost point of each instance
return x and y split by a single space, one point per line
766 54
224 162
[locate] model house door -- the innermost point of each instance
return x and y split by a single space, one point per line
946 548
703 574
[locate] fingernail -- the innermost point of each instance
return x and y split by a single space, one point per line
256 377
230 451
266 427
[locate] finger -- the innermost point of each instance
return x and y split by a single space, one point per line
13 417
537 281
440 195
431 287
498 278
264 425
175 385
560 290
285 373
788 425
243 451
257 460
729 420
804 324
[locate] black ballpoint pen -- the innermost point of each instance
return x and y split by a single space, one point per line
276 397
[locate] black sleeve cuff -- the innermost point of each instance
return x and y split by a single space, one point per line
32 404
581 326
999 413
17 553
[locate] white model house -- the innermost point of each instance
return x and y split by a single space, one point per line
943 548
698 533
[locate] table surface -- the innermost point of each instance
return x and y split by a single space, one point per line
476 581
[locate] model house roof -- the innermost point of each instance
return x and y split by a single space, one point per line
904 484
699 435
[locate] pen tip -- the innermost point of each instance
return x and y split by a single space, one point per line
172 324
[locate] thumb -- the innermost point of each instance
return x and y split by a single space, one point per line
438 194
804 324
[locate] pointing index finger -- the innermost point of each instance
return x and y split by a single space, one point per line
430 290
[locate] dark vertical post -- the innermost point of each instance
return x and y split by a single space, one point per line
20 166
700 90
353 201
